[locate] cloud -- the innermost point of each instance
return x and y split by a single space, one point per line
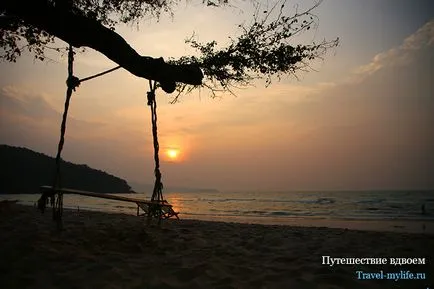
400 56
423 37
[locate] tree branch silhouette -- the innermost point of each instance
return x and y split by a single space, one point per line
263 50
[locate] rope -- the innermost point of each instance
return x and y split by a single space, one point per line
75 82
157 194
72 82
99 74
158 185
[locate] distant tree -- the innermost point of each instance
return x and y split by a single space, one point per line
28 170
263 50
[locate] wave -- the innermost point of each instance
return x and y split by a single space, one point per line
227 200
371 201
314 201
326 201
280 213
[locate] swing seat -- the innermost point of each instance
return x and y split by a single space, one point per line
161 210
165 210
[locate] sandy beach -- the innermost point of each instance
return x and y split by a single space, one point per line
100 250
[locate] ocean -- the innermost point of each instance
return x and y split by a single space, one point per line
274 207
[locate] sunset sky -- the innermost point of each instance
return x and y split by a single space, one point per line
363 121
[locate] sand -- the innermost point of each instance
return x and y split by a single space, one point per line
99 250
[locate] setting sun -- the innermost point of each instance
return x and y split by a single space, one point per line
172 154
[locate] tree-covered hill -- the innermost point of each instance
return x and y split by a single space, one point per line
24 171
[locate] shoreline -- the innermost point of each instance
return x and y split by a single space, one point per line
398 226
377 225
104 250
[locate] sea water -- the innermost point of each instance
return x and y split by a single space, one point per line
273 207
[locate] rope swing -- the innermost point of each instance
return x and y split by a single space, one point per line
155 207
157 193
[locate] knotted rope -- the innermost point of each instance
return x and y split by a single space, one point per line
157 194
56 199
72 82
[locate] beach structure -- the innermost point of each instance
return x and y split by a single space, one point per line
157 207
166 208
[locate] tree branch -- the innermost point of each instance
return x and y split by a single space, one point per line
81 31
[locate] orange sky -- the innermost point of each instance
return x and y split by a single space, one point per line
364 121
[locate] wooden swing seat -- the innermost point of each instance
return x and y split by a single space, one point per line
164 209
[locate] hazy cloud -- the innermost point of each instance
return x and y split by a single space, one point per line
400 56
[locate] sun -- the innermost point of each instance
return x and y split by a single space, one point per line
172 154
